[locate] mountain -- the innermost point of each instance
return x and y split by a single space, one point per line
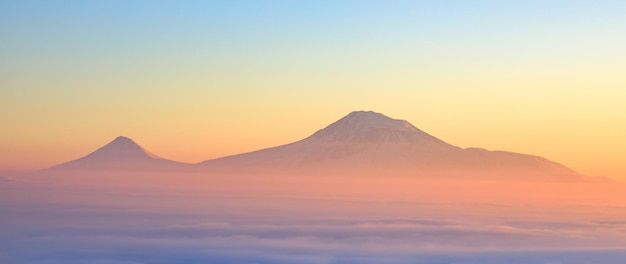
121 154
361 143
366 142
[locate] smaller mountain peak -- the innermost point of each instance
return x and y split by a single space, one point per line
123 147
121 153
122 139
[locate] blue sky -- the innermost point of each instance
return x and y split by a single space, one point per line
536 77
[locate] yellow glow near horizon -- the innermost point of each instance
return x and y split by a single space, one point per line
211 86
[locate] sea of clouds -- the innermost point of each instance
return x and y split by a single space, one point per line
40 224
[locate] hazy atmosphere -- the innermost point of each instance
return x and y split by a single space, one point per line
428 132
195 80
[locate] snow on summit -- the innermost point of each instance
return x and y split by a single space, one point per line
368 126
366 142
360 142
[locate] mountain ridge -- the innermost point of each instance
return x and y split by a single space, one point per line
370 142
360 142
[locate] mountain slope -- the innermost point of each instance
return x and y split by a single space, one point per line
121 154
368 142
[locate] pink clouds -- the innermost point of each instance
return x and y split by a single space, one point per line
129 217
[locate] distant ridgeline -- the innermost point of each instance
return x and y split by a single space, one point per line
361 143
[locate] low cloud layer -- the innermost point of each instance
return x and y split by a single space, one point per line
139 226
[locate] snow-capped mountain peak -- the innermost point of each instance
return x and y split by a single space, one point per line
365 142
370 119
373 127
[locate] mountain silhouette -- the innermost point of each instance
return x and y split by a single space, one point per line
365 142
121 154
360 143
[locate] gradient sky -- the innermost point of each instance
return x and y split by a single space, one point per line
197 80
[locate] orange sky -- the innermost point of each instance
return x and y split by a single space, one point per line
537 78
